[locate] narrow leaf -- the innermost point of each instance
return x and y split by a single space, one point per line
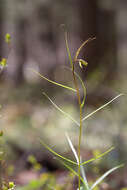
100 108
105 175
53 82
72 148
83 86
68 50
84 89
76 157
73 171
98 156
82 45
55 153
84 177
59 109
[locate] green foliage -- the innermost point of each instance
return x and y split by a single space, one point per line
82 180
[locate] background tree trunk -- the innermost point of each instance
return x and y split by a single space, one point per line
20 50
98 22
101 54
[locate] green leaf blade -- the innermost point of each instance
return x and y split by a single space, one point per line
60 110
103 106
56 154
105 175
98 156
53 82
68 50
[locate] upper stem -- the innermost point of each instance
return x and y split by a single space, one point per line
80 130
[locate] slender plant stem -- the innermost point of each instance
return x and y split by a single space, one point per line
80 130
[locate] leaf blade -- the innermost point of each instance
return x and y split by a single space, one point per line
83 86
72 147
103 106
53 82
68 50
73 171
56 154
97 157
105 175
60 110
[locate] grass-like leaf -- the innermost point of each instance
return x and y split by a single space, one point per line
73 171
105 175
84 177
100 108
82 45
68 50
72 148
98 156
83 86
56 154
53 82
59 109
84 90
76 157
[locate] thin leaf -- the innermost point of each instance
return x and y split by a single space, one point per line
83 86
55 153
68 50
84 177
98 156
73 171
104 153
72 148
53 82
84 91
76 157
82 45
105 175
100 108
59 109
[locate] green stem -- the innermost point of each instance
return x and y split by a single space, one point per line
80 130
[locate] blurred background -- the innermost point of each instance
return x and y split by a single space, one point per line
37 42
